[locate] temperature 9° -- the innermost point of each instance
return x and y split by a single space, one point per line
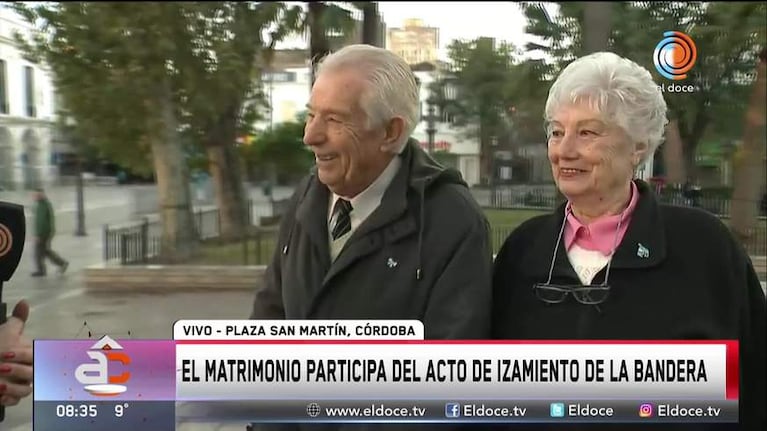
120 409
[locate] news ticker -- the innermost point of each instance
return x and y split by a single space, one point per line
231 370
162 416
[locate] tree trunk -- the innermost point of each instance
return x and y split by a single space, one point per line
370 31
487 174
319 46
690 165
673 154
230 193
179 236
224 166
749 162
485 161
597 25
691 136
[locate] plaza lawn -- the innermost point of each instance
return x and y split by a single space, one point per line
502 223
259 252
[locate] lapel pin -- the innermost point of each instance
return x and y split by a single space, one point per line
642 251
391 263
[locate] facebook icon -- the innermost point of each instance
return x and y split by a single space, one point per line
452 410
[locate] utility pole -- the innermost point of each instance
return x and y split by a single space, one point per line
430 126
76 144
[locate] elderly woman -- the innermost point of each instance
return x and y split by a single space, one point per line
612 262
15 358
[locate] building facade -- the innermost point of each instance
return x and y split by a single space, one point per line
415 42
27 119
287 93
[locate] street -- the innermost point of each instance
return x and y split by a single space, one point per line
62 309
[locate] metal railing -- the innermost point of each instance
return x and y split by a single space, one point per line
757 245
141 242
546 199
256 247
258 244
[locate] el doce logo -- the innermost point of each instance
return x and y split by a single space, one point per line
6 240
95 375
675 55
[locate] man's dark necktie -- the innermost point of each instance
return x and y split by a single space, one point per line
341 222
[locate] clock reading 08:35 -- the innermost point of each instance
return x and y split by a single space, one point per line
76 410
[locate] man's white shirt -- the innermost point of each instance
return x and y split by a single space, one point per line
362 205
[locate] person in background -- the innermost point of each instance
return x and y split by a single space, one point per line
15 358
378 230
614 263
45 229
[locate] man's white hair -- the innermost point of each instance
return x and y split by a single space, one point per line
391 89
620 90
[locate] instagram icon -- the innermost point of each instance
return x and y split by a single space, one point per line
645 411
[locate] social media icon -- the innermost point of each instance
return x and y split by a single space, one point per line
557 410
452 410
645 411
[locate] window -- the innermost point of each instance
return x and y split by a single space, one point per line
448 117
3 88
280 77
287 111
29 91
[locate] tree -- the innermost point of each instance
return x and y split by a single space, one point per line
282 149
326 21
727 38
370 18
192 76
322 19
527 91
749 169
480 73
105 53
223 42
597 25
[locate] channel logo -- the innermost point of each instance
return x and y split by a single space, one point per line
95 376
675 55
6 240
645 411
557 410
452 410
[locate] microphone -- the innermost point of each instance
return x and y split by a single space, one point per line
12 237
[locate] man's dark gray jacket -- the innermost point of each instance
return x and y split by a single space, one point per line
423 254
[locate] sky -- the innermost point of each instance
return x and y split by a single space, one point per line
456 20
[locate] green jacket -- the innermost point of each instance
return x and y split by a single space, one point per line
45 222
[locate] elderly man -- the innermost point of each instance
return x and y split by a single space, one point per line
378 230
